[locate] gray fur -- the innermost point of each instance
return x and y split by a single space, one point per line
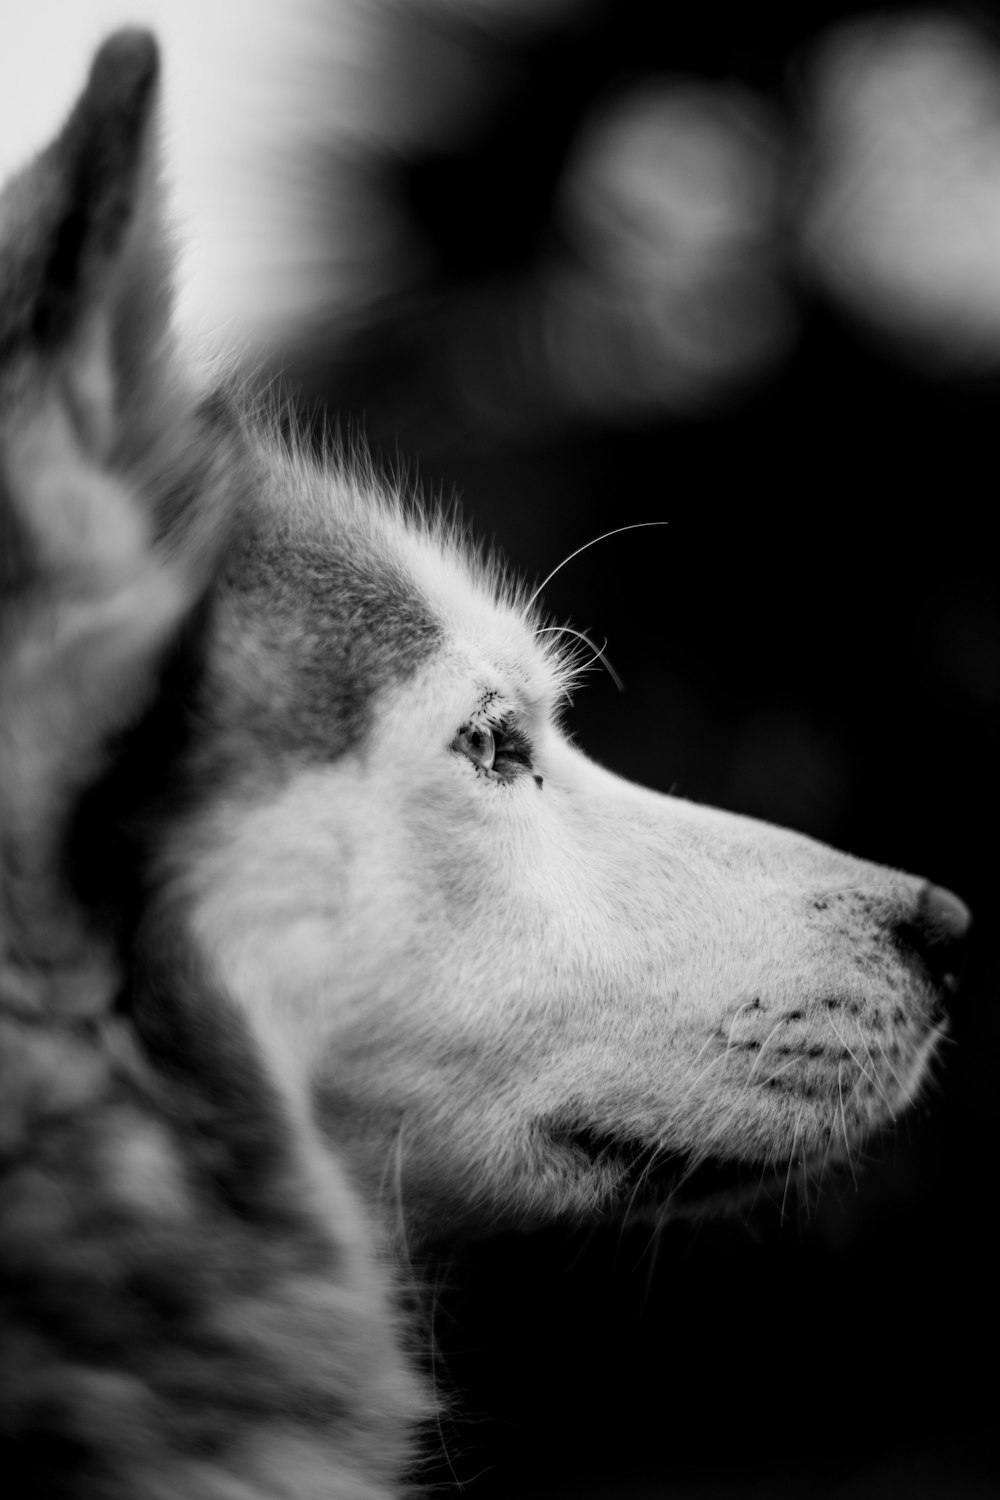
190 1301
316 627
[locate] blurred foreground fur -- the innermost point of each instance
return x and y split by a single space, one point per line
191 1305
316 932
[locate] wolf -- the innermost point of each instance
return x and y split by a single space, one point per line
319 938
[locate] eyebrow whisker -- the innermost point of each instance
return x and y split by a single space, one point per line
599 651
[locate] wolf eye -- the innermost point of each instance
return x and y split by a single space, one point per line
478 743
498 751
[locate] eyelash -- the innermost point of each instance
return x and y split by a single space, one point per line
498 751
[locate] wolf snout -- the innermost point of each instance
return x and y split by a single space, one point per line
938 933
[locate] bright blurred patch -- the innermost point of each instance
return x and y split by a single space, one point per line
655 274
901 210
670 203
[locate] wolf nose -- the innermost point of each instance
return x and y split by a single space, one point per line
939 932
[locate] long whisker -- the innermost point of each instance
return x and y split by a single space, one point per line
788 1171
774 1031
896 1078
843 1121
635 526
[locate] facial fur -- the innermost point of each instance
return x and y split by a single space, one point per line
684 984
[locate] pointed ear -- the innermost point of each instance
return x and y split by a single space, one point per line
84 270
118 490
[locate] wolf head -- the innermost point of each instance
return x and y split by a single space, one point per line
508 985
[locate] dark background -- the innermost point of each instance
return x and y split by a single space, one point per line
814 640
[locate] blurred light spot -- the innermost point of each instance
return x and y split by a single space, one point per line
670 204
902 205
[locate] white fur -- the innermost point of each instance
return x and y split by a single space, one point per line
462 972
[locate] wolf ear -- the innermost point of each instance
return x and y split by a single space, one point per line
118 496
84 270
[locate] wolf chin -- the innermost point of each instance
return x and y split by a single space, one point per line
317 934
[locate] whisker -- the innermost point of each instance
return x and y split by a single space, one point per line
747 1005
635 526
843 1121
774 1031
885 1057
788 1173
712 1037
777 1072
881 1082
872 1079
805 1183
599 651
720 1057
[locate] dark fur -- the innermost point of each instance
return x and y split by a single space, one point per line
178 1314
